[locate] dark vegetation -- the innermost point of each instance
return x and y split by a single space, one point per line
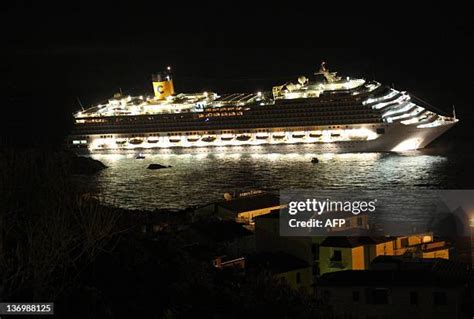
60 243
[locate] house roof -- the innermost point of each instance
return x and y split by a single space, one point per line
221 230
276 262
409 272
274 214
353 241
250 203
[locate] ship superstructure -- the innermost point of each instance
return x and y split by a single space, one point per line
328 112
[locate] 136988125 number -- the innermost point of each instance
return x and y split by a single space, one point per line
39 308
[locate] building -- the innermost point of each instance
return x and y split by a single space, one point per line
290 270
422 246
243 207
268 239
399 287
343 253
337 253
222 239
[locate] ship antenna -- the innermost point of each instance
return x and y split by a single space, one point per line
120 90
454 111
78 100
431 106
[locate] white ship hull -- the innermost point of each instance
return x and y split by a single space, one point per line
396 137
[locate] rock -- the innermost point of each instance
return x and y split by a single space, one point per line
157 166
86 165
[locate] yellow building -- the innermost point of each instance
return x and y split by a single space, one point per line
421 246
352 253
356 253
336 253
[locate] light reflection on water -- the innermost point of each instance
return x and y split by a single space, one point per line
201 178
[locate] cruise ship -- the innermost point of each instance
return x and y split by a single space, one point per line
326 112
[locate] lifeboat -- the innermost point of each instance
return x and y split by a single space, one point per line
278 136
262 136
193 138
298 134
136 141
175 139
315 134
227 137
244 137
152 140
120 141
209 139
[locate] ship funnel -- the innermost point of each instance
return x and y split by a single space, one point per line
163 84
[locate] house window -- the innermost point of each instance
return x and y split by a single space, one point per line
298 278
355 296
413 298
359 221
337 255
439 298
404 242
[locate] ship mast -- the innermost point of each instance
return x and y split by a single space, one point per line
330 76
78 100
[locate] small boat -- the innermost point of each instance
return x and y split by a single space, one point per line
315 135
140 156
157 166
314 160
262 136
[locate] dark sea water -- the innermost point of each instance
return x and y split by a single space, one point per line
200 178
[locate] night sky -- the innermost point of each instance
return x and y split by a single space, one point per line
54 55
